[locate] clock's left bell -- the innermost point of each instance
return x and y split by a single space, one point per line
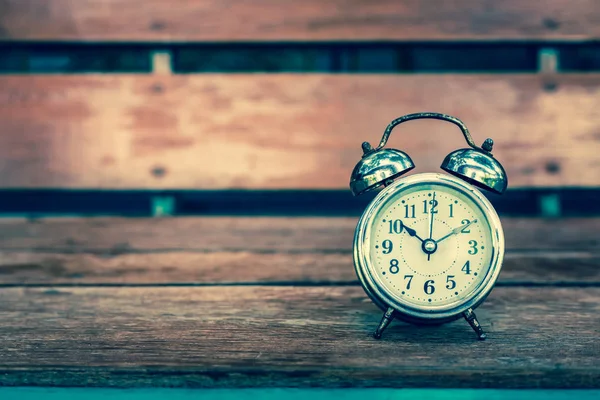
377 168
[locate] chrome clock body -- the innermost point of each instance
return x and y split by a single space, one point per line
372 281
469 169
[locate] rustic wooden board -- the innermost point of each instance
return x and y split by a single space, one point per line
256 250
114 236
284 131
242 268
213 20
290 336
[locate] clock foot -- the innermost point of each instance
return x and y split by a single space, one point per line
472 320
388 316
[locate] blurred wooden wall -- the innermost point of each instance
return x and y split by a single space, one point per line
164 129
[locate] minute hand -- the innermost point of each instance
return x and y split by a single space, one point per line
456 230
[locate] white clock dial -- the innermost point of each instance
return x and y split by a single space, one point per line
430 245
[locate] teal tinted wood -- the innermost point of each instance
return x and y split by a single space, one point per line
20 393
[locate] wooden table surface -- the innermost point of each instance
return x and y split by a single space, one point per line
256 302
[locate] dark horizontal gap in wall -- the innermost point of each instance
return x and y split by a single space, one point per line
566 202
324 57
61 58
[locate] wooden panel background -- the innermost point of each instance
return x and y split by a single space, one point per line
221 302
285 131
276 20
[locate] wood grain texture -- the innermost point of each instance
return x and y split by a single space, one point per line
243 268
276 20
256 250
114 236
282 336
284 131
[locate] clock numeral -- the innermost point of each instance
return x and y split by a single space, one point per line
412 211
388 246
450 282
466 228
467 268
394 269
434 204
395 226
409 277
473 249
451 210
428 287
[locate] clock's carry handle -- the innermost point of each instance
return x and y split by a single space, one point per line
429 115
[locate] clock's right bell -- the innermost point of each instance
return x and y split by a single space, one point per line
477 167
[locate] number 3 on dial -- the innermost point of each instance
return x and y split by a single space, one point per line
473 244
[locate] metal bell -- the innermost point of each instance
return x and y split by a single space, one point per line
378 167
477 167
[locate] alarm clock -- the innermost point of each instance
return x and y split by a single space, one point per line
429 247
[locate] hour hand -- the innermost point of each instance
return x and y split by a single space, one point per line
412 232
457 230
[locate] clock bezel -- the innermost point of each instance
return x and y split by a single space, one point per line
381 296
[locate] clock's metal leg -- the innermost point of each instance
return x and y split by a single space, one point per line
388 316
472 320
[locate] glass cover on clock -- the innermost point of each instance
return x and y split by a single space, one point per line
430 246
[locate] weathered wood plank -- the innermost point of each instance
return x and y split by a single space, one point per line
290 336
214 20
114 236
256 250
284 131
520 268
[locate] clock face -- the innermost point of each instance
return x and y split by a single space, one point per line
430 245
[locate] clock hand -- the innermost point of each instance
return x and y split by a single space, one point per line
411 232
456 230
431 217
432 202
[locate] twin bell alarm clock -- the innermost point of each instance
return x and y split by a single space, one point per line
429 247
